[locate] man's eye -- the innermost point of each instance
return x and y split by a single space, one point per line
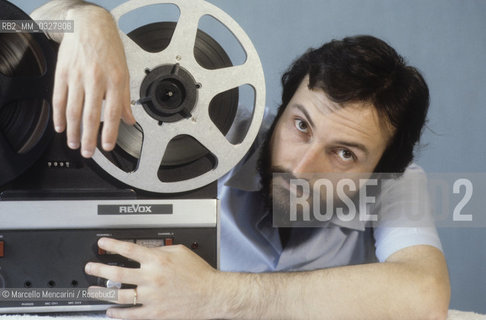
346 155
301 125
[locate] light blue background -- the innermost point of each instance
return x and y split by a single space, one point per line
445 39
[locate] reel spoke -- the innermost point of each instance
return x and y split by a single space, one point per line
184 37
210 137
131 48
139 59
154 147
233 78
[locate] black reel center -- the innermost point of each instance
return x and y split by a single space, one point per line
169 93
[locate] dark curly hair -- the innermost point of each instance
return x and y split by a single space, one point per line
364 68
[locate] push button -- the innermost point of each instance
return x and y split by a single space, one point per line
2 248
169 241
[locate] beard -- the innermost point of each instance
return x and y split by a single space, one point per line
275 182
264 167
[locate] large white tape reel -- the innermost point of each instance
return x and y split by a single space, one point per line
180 51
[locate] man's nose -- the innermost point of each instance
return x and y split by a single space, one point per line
309 161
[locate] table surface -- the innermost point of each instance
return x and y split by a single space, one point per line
453 315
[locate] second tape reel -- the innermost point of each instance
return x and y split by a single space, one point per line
184 91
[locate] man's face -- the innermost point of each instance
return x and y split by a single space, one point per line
315 136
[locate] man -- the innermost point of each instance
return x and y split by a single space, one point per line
351 106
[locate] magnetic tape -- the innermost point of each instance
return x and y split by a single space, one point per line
185 90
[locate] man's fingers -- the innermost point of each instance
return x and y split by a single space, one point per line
91 121
127 114
123 296
126 249
74 110
103 293
111 119
59 101
113 273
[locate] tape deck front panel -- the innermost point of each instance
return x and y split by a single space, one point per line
44 245
36 261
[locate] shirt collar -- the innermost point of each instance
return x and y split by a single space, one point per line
355 224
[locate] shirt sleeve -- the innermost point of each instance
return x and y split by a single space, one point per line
405 215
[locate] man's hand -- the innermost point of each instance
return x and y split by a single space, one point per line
172 282
91 67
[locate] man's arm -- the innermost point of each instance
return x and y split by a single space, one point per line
91 67
173 282
412 284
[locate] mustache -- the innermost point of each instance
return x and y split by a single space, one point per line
278 169
281 171
288 175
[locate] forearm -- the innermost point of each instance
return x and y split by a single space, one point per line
56 10
389 290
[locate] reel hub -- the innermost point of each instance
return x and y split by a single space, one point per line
169 93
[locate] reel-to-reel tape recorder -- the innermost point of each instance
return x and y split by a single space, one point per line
157 187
